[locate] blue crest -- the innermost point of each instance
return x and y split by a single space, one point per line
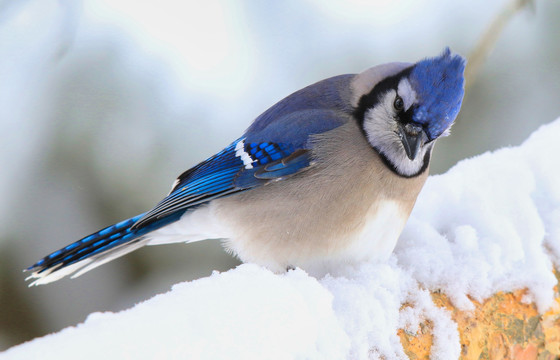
439 86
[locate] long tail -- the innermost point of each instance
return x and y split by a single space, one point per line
95 250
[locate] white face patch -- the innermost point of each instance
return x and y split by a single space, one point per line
407 93
381 127
243 155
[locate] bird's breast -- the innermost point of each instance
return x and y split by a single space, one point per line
377 238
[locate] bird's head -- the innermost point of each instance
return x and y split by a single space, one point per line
403 108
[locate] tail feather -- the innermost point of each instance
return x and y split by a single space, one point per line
94 250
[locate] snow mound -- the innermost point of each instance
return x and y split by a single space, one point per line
492 223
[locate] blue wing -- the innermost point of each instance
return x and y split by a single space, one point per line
239 167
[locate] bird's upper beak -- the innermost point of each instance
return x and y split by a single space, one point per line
412 137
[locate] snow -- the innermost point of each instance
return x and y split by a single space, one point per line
489 224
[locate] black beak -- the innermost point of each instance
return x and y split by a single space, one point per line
411 137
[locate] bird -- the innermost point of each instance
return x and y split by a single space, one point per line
326 177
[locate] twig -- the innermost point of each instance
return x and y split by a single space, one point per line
488 40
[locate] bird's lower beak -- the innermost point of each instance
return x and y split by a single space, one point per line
412 137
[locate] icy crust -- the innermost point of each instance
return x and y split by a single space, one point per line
492 223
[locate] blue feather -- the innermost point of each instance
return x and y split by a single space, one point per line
266 152
75 251
276 170
439 86
99 242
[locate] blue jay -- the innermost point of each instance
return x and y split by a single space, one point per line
327 176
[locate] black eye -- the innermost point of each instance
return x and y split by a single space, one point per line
399 103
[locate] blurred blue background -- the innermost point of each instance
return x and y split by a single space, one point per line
104 102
